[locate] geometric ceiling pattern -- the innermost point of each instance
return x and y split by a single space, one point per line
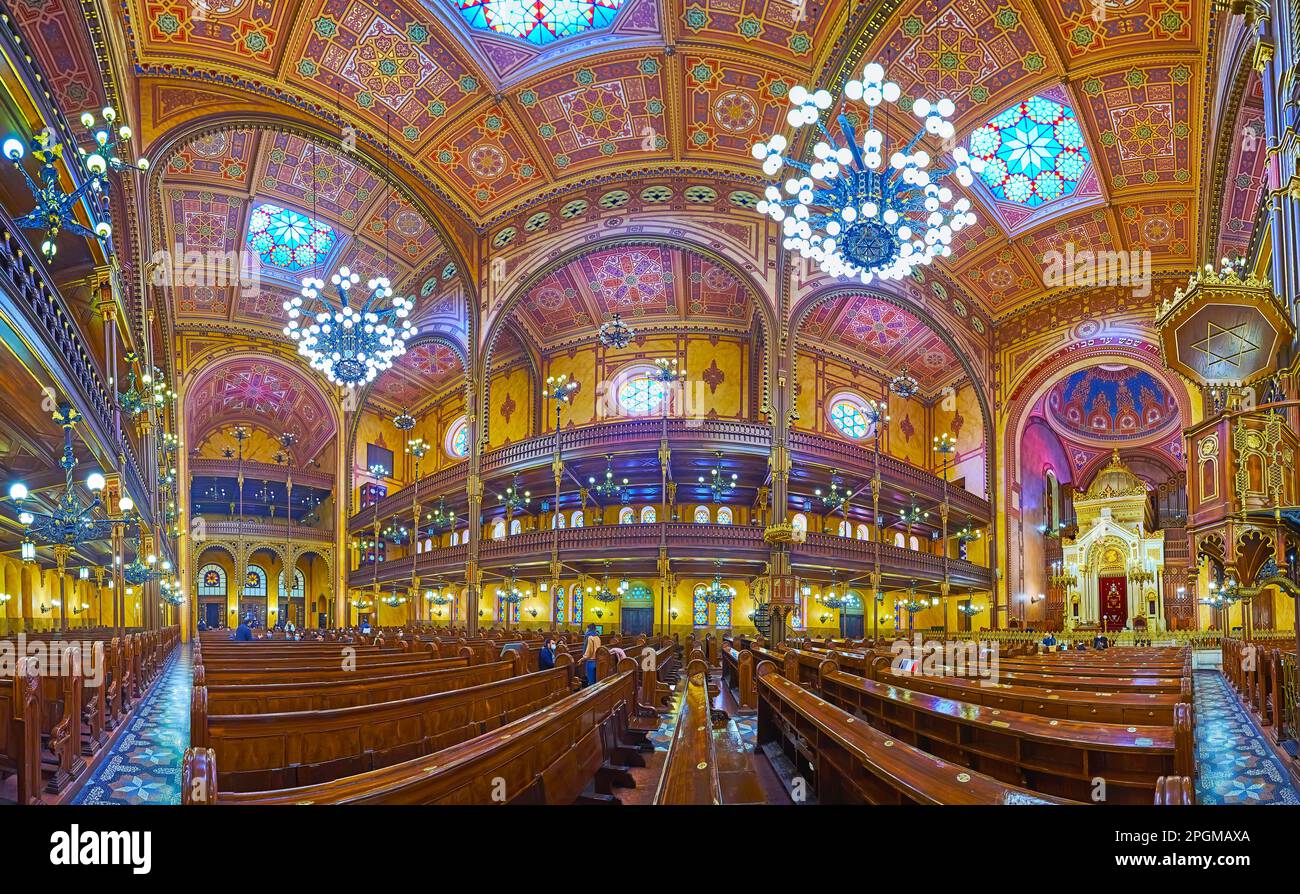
1245 184
496 124
1112 402
417 379
885 337
267 394
649 286
286 208
537 22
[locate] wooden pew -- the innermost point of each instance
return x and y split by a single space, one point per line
1060 757
550 756
270 698
848 762
20 730
288 749
690 774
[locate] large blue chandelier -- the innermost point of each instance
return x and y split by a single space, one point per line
70 522
54 211
858 210
349 345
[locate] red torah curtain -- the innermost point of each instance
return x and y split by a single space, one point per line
1114 601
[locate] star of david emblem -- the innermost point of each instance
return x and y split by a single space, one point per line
1224 344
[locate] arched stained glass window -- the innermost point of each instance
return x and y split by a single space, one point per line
914 543
457 441
539 23
557 520
1033 152
288 240
299 588
900 539
799 522
576 520
557 606
575 598
455 538
255 581
724 515
864 533
848 415
626 516
428 544
700 610
516 527
846 530
640 395
212 580
722 615
648 515
702 515
499 531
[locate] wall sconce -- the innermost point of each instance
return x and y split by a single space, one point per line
673 613
46 609
824 617
533 611
600 613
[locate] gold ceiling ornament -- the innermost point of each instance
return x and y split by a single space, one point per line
1225 328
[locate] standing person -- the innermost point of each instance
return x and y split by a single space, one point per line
243 633
589 654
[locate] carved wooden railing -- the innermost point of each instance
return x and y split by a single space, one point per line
683 540
272 531
734 437
222 468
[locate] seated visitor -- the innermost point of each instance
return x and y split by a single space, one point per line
546 657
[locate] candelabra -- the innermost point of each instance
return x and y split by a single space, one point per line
719 484
607 487
515 497
614 333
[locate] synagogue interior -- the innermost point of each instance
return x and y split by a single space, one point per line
701 402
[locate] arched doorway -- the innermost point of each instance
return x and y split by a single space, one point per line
637 610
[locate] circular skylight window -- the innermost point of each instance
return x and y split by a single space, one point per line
1033 152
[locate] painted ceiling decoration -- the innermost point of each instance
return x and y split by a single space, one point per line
418 379
286 239
648 285
1034 152
869 329
269 394
1113 401
496 124
539 21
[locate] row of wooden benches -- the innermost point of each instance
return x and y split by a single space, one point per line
57 710
512 738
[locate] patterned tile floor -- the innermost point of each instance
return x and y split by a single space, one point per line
662 738
144 762
1234 763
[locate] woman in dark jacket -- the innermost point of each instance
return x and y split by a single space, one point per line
546 657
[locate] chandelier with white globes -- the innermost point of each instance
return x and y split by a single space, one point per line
860 210
349 345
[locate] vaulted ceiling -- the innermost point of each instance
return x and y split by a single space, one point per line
521 143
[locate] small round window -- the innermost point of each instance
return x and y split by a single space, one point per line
640 395
457 441
849 416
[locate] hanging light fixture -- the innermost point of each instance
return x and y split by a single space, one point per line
404 421
131 401
54 211
70 522
969 608
913 514
614 333
860 210
602 592
350 346
606 486
515 498
440 518
720 485
904 384
835 496
512 593
832 598
715 591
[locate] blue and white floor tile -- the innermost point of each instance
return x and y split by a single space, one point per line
144 762
1235 765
